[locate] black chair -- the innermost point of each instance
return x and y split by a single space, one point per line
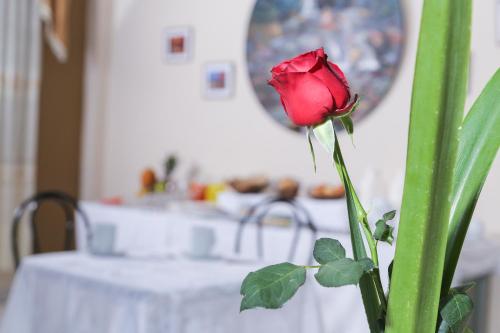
300 217
67 203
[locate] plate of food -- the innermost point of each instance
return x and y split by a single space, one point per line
255 184
287 188
326 191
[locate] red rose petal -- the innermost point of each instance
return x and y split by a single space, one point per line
347 109
306 98
336 69
320 53
280 68
301 63
335 85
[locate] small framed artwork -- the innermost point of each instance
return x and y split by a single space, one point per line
218 80
178 44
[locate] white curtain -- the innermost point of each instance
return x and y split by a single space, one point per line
19 89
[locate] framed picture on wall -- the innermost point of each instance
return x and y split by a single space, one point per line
178 44
218 80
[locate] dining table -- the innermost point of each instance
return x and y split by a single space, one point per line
150 282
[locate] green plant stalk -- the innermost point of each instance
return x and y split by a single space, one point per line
478 146
371 288
357 211
439 90
372 243
372 291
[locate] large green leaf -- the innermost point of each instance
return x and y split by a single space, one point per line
327 249
271 286
478 146
437 106
339 273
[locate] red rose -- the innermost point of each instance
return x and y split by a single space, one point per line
312 88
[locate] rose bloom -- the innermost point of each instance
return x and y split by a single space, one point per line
312 88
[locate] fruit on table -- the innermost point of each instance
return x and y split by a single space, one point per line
112 201
212 191
197 191
170 165
160 187
148 180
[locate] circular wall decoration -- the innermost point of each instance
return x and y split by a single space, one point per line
364 37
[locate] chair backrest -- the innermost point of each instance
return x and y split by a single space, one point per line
300 218
69 206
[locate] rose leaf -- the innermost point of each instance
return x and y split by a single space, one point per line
271 286
327 249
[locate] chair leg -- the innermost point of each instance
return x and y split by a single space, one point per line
69 226
34 233
296 235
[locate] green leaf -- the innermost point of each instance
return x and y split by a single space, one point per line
437 108
383 232
464 288
311 148
339 273
327 249
389 215
170 165
347 123
444 327
367 264
271 286
478 146
325 134
455 313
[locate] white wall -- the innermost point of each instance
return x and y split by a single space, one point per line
140 108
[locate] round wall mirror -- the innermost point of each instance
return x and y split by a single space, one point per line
364 37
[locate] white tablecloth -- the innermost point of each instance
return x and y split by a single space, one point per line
77 293
151 293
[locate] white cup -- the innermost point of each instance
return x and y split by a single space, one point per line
103 239
202 241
